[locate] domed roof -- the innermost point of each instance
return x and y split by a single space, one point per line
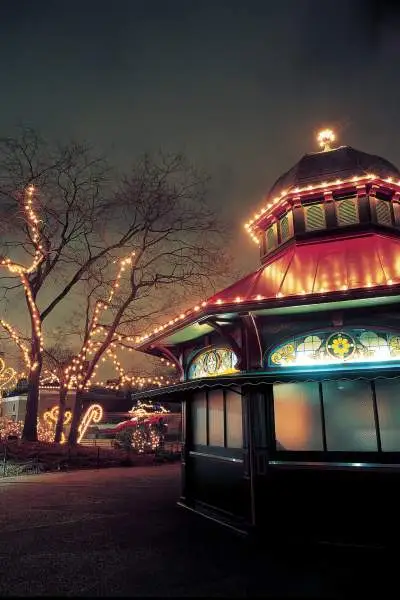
339 163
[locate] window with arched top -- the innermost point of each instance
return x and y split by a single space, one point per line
347 211
213 362
314 217
382 211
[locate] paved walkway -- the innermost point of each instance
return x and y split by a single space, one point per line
118 532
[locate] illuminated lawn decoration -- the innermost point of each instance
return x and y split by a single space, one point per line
217 361
51 417
45 431
10 428
94 414
145 431
8 377
345 346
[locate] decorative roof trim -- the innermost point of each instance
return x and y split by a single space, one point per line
285 199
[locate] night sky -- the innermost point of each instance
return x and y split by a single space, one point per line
240 87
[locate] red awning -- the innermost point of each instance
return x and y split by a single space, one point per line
320 266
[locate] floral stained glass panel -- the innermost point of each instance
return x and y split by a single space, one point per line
344 346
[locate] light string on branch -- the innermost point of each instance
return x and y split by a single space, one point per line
33 223
77 369
24 272
16 338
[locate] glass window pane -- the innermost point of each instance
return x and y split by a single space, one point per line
349 415
216 418
388 401
234 433
298 423
199 426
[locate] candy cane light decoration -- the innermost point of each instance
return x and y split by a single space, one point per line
94 414
51 416
8 377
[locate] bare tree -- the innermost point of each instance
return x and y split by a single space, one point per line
176 245
49 252
63 222
57 358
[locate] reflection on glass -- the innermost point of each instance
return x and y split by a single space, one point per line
297 416
388 402
349 416
234 433
199 426
216 418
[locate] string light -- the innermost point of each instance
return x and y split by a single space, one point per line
51 417
252 226
10 428
75 372
8 377
18 341
23 273
94 414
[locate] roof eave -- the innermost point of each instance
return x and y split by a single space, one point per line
253 306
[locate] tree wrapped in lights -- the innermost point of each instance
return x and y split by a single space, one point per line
57 359
34 356
174 248
74 225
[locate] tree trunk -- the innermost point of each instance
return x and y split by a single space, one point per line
76 416
61 413
29 432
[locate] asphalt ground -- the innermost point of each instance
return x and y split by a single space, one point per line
119 532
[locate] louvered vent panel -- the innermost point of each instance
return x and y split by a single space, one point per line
285 231
315 217
271 238
347 211
383 215
286 226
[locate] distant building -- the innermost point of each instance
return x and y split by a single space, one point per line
14 406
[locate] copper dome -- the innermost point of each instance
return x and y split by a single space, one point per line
343 162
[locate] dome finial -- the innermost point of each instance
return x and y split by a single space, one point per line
325 139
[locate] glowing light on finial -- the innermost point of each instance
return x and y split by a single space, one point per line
325 139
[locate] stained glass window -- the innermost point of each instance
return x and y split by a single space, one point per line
344 346
213 362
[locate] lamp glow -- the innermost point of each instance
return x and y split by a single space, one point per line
325 139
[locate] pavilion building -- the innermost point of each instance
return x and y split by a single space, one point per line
290 377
